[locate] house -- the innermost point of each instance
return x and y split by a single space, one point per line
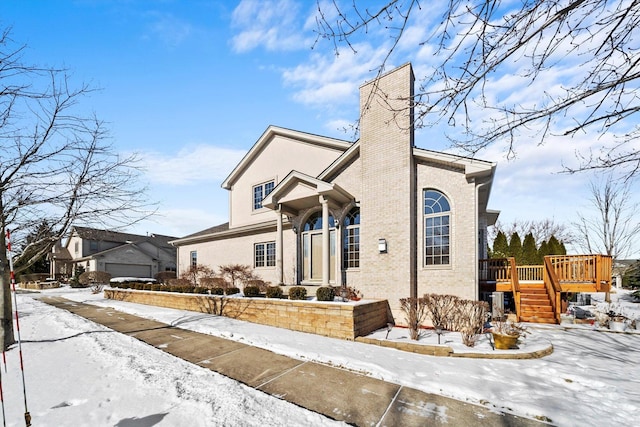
380 215
120 254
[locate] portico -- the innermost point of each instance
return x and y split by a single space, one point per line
314 208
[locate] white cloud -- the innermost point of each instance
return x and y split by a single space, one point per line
199 163
274 24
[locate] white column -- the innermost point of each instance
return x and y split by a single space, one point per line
325 241
279 250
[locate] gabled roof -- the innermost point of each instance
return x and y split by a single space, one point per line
87 233
127 246
288 133
309 188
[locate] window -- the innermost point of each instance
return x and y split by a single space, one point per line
93 245
264 254
437 231
351 247
260 192
194 259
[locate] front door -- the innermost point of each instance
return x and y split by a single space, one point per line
312 249
312 256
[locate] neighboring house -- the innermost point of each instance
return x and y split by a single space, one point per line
380 215
119 254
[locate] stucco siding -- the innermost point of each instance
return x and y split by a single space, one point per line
277 158
240 250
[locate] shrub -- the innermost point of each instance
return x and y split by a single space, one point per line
217 291
165 276
93 277
297 293
251 291
470 319
442 310
274 292
179 282
415 310
232 291
156 287
213 282
259 283
325 293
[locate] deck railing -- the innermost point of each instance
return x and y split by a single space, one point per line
560 273
530 273
582 269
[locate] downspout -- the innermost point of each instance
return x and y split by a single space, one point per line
477 261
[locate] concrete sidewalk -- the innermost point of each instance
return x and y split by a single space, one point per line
338 394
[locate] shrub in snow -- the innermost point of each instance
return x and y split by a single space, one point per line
232 291
442 310
274 292
251 291
298 293
217 291
470 318
325 293
415 313
94 277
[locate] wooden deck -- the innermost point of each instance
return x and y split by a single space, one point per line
537 289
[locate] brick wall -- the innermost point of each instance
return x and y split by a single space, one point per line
337 320
387 204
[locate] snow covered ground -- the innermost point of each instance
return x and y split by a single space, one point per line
78 373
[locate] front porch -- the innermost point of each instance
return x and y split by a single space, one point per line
538 290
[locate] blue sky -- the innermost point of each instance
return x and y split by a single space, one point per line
191 85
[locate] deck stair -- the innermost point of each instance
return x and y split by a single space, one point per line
535 305
537 289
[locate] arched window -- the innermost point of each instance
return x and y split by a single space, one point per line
437 231
351 247
315 222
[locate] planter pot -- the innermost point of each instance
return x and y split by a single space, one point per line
616 326
504 342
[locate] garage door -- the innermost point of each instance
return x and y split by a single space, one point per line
128 270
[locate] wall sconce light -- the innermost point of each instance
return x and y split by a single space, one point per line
382 246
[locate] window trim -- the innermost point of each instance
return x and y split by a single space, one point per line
263 186
436 216
348 245
267 257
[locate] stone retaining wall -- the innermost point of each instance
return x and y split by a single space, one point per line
337 320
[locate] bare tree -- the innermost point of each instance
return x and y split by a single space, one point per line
612 226
475 42
56 167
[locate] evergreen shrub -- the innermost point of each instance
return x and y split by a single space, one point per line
251 291
274 292
325 293
298 293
